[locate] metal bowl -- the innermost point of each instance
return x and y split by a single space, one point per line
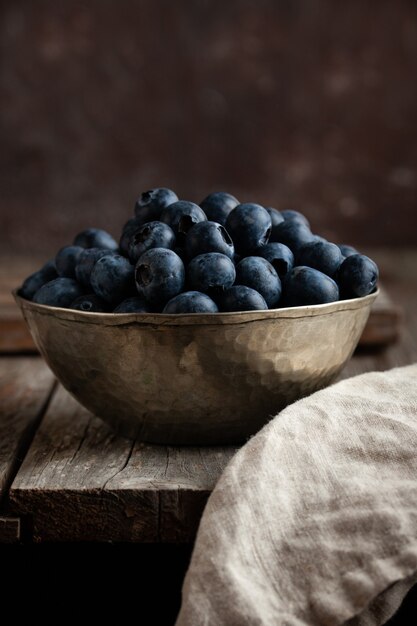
195 379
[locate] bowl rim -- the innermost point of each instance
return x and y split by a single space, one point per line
193 319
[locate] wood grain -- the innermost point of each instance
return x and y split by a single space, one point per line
81 482
25 386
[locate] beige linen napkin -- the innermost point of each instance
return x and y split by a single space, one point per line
314 521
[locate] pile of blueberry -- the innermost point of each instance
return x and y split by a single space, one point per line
179 257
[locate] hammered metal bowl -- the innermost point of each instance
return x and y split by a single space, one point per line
195 379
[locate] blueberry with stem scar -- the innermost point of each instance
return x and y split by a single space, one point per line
159 275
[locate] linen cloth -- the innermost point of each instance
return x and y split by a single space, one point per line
314 520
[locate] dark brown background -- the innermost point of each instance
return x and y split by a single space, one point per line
307 104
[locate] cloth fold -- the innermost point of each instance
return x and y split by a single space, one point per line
314 520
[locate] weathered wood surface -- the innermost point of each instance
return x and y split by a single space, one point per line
80 481
25 387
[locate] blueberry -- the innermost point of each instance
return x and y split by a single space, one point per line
90 303
258 273
182 215
150 235
347 250
211 273
295 216
293 234
242 298
128 230
95 238
323 256
66 260
208 237
279 255
150 204
218 205
159 275
133 305
320 238
305 285
86 262
60 292
276 218
112 278
249 225
191 302
35 281
358 276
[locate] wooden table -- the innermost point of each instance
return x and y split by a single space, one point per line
64 476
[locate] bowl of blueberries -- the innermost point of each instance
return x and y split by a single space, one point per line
202 321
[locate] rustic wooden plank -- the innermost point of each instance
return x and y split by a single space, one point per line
61 483
80 481
25 386
9 529
183 477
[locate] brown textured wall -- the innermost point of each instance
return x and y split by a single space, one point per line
308 104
